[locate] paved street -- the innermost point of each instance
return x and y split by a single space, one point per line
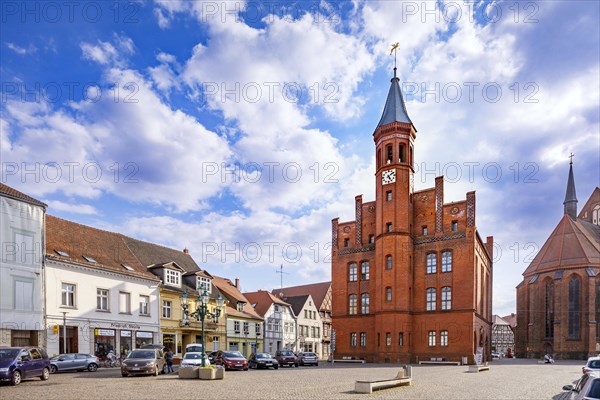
507 379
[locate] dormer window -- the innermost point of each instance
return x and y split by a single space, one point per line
62 253
202 280
240 306
172 277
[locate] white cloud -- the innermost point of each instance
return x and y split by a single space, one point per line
74 208
106 53
31 49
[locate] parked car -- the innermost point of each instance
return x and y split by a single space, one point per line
154 346
587 388
308 358
496 354
286 357
18 363
262 360
592 365
211 356
144 361
74 362
191 359
231 360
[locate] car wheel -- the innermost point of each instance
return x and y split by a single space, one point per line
156 371
53 369
276 367
124 374
45 374
296 365
16 378
164 369
92 367
245 369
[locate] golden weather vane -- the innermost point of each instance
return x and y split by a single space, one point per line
394 49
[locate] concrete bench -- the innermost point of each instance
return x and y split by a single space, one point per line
404 378
439 362
343 360
479 367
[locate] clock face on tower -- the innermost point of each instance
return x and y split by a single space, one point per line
388 176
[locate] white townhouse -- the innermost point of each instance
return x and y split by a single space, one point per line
280 322
99 297
21 269
309 324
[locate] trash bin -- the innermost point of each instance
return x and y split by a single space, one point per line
464 361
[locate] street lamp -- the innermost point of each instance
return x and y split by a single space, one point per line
201 312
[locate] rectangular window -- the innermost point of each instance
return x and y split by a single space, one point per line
388 262
68 295
236 326
400 339
305 314
24 248
431 263
346 242
424 231
312 332
144 305
166 309
204 283
102 299
246 328
364 303
388 339
444 338
172 277
23 291
124 303
318 331
446 298
257 329
352 272
431 340
388 294
431 299
454 226
388 195
353 339
352 304
364 271
363 339
388 227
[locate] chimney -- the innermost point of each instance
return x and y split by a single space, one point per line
237 283
186 251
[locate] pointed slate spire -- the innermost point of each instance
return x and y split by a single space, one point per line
394 110
570 202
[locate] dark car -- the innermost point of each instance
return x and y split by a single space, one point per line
144 361
74 362
231 360
286 357
307 358
211 356
18 363
262 360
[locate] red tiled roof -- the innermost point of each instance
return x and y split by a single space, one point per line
15 194
573 243
232 294
587 208
262 300
511 319
108 248
318 291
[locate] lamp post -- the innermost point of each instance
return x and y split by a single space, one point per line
201 312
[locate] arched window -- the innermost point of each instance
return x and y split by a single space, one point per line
364 271
390 154
549 309
402 153
364 303
388 294
447 261
574 308
446 298
352 304
431 263
596 215
352 272
388 262
431 299
378 158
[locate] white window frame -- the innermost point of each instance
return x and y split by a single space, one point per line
127 297
172 277
444 338
166 309
431 336
102 296
65 289
202 280
144 305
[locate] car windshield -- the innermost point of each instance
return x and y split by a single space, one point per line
195 348
192 356
287 353
8 354
309 355
263 355
141 354
594 364
233 354
594 392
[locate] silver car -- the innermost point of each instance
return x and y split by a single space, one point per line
144 361
74 362
587 388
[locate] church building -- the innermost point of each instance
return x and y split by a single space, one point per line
558 301
411 276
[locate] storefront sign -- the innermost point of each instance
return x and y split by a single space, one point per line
125 333
124 325
143 334
104 332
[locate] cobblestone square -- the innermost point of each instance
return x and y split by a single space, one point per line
507 379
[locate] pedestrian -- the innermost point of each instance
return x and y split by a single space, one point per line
169 359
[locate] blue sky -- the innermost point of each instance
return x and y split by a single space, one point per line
240 129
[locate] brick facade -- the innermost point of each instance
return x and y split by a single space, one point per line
395 234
